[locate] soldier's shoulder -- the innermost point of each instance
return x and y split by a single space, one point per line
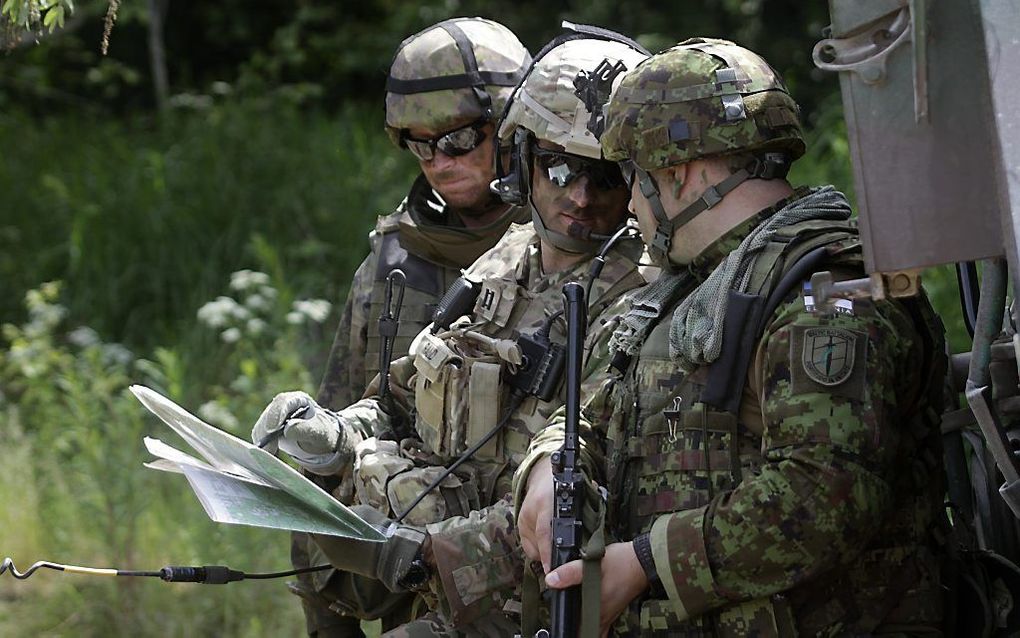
504 257
390 222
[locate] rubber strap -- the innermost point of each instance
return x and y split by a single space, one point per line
591 571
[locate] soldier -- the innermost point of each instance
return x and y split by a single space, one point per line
458 546
773 466
446 88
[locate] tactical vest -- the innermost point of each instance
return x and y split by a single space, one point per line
431 255
459 390
424 287
680 440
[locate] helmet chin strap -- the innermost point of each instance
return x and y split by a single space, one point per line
768 166
579 241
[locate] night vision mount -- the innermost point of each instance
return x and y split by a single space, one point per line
593 89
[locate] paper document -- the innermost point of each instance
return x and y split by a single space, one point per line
237 482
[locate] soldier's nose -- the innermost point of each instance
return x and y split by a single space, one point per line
580 191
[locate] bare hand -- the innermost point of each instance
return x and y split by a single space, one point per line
534 522
623 580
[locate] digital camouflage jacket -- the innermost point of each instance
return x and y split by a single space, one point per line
470 517
813 508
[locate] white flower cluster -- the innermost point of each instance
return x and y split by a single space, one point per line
243 280
309 309
237 318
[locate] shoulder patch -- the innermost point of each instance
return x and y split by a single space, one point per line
825 359
828 355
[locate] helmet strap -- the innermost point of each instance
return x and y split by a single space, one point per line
766 166
467 54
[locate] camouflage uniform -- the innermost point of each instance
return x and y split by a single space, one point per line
405 239
469 518
461 69
814 506
792 485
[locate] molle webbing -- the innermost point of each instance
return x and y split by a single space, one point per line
424 287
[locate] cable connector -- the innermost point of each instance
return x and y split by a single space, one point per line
207 574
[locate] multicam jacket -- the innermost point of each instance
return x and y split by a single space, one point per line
812 509
470 517
431 248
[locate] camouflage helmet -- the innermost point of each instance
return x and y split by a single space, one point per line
547 103
562 101
701 98
462 68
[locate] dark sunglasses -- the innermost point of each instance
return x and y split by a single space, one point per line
563 168
459 141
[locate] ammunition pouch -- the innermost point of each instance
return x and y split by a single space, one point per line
458 394
389 476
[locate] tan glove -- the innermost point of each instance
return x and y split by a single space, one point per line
396 562
294 423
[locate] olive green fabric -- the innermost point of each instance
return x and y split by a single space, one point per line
807 512
333 600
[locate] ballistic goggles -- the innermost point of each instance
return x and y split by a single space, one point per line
563 168
459 141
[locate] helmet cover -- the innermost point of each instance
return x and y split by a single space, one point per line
431 83
701 98
547 103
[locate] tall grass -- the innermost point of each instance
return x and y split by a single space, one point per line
143 221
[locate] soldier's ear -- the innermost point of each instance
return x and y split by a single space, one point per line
672 180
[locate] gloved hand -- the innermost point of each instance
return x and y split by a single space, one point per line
396 562
310 434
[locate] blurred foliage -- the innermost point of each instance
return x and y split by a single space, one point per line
73 490
144 222
344 49
271 164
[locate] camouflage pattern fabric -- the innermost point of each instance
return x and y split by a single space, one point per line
700 98
476 552
431 625
354 360
433 54
812 511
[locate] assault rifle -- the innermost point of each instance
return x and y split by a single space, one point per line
568 482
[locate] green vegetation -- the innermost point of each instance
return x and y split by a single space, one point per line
142 225
270 159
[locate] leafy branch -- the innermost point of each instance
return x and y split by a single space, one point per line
34 17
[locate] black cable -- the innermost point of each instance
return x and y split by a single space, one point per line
970 293
599 262
290 572
206 574
516 398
